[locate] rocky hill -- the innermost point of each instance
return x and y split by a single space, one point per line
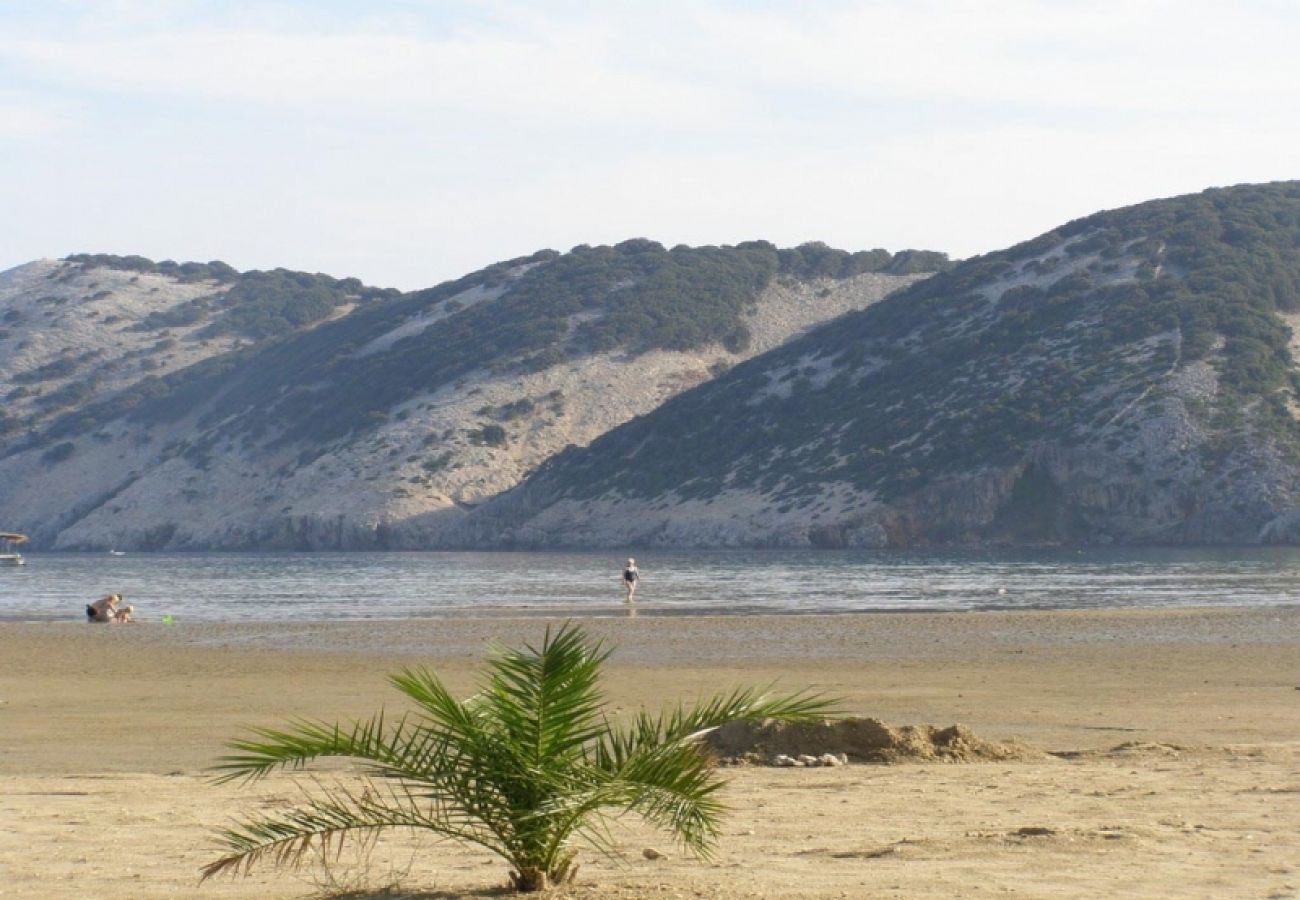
156 405
1127 377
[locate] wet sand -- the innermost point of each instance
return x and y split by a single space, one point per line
105 734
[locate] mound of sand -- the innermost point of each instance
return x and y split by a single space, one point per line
1143 750
863 740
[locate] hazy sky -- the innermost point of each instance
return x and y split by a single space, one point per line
406 142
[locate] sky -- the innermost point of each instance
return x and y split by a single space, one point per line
406 142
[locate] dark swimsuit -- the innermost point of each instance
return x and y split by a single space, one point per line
629 575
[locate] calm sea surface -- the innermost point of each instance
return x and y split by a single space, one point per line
285 586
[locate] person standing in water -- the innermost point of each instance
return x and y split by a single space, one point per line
630 577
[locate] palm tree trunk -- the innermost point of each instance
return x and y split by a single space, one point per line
529 879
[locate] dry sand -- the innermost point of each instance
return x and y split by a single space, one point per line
105 734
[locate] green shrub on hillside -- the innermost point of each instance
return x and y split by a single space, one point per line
185 272
256 305
58 453
488 436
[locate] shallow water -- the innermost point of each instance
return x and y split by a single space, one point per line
286 586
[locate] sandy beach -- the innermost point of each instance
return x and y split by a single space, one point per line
1169 763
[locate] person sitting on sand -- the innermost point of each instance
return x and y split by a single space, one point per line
104 609
630 577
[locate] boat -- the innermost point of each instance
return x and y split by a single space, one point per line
117 553
8 555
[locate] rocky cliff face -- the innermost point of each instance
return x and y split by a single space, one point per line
376 421
1125 378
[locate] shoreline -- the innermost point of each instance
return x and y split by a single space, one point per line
651 610
1268 623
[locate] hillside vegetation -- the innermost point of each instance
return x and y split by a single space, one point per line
253 304
199 406
1124 377
324 384
90 327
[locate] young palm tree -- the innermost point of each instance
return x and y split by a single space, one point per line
521 768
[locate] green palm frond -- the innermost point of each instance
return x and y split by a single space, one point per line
287 838
547 700
522 768
681 723
303 742
675 788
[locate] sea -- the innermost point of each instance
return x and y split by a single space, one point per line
233 587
